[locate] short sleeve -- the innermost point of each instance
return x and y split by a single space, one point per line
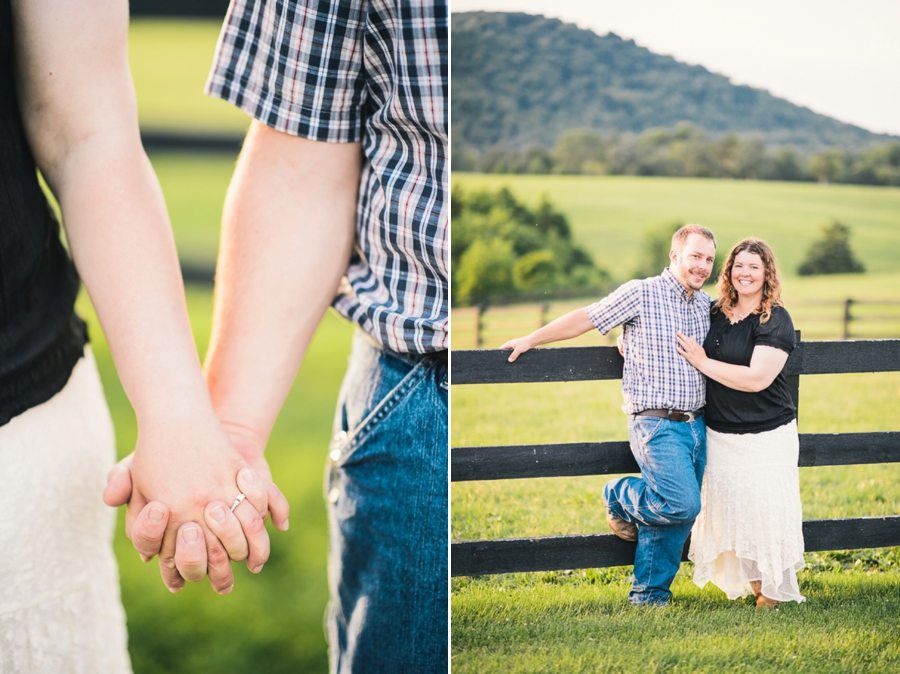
619 307
294 66
778 331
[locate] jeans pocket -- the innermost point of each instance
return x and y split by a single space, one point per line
647 427
348 441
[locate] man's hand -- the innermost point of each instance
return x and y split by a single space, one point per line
519 346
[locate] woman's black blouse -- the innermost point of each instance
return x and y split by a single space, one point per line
731 411
41 338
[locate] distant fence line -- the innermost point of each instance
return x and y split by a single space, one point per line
181 9
846 318
550 553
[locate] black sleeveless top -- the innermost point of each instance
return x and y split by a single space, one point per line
41 338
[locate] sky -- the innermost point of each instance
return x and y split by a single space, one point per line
840 58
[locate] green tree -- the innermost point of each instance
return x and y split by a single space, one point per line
484 272
826 166
500 247
655 247
537 270
831 254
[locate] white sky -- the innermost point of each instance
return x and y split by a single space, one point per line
837 57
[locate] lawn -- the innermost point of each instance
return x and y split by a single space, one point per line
169 63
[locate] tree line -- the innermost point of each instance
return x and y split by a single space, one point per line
686 151
502 251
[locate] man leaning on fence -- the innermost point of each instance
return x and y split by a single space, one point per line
344 173
664 398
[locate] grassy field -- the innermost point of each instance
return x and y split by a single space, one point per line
195 186
577 621
609 214
169 63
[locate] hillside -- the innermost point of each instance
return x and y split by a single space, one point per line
521 80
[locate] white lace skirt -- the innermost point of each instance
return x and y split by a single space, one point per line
60 610
750 525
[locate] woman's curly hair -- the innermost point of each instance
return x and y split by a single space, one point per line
728 295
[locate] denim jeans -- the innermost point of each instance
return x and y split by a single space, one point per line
663 502
386 487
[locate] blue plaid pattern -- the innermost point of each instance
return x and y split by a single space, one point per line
373 71
652 310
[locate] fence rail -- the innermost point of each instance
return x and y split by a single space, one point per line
601 458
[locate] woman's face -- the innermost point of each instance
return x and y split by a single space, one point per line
748 274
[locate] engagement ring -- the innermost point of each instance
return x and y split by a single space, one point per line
240 497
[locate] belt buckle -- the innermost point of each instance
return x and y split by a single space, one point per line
677 415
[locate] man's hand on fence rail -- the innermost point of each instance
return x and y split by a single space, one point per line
519 346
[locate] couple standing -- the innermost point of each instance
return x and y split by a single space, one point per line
338 198
712 427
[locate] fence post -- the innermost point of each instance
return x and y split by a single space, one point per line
847 318
479 326
545 307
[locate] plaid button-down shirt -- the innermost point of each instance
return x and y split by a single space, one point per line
652 310
374 71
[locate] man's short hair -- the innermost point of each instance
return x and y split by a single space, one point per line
680 237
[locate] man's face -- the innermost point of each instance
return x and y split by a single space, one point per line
693 264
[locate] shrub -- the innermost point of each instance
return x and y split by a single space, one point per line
831 254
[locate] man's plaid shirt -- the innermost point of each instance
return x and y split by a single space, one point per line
374 71
652 310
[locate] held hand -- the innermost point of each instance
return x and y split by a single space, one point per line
519 346
690 350
620 345
188 464
147 528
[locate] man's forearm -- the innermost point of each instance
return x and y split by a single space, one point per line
287 233
569 326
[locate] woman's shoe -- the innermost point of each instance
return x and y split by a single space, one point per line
766 604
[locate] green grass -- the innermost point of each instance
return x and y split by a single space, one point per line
579 622
169 64
195 186
609 214
271 622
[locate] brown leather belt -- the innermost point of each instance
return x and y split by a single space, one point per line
671 415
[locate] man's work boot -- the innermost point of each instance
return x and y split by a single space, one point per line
627 531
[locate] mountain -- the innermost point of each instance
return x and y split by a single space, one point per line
520 80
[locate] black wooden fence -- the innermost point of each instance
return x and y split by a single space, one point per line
602 458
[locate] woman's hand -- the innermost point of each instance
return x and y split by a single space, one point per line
519 346
691 350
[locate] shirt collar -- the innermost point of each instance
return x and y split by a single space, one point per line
676 286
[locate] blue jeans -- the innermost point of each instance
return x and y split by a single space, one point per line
386 487
663 502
